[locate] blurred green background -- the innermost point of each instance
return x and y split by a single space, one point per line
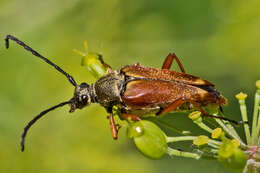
215 39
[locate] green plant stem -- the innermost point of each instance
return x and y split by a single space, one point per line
232 129
258 128
174 152
217 143
171 127
251 166
190 138
256 119
181 138
244 118
230 132
203 126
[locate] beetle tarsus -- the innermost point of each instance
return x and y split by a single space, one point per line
242 122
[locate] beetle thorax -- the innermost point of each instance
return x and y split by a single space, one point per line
107 90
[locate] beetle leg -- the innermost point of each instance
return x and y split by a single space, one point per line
205 114
113 127
171 107
131 116
168 62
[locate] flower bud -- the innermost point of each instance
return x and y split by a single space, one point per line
235 142
194 115
148 138
241 96
231 156
201 140
217 132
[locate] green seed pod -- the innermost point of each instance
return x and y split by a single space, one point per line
231 156
148 138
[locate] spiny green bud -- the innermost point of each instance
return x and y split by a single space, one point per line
94 65
148 138
93 61
201 140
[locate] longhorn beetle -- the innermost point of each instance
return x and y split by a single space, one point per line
136 90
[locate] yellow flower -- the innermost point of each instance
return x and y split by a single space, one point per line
201 140
258 84
194 115
216 133
241 96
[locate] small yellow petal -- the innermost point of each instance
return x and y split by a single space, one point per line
216 133
241 96
194 115
85 46
258 84
235 142
79 52
201 140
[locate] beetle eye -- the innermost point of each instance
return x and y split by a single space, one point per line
84 99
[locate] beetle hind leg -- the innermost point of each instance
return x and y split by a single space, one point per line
168 62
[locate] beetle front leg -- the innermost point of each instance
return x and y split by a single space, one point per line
168 62
113 127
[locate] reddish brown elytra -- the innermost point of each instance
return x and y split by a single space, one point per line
165 89
136 91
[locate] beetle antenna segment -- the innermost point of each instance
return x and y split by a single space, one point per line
70 78
221 109
27 127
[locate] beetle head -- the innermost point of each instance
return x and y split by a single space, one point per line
81 97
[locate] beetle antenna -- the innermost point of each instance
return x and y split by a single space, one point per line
221 109
27 127
70 78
